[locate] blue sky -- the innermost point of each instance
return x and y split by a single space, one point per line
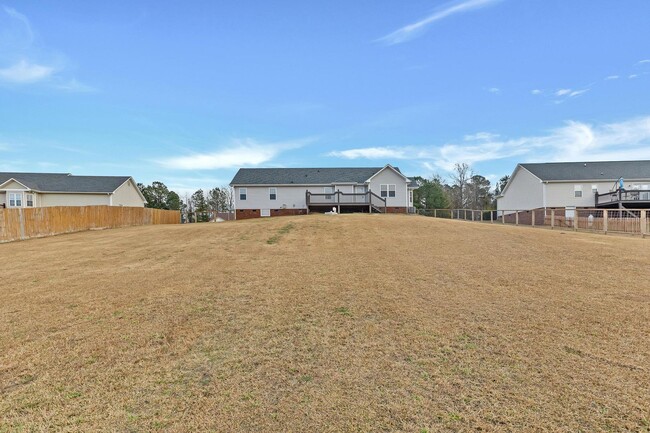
187 92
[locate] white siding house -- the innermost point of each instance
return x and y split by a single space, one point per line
64 189
261 192
577 185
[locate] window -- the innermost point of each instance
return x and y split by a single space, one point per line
242 193
594 189
273 193
15 199
577 191
29 198
387 190
328 190
411 196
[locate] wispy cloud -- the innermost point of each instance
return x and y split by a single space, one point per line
494 90
612 77
644 61
23 61
239 153
536 92
415 29
371 153
562 92
573 141
633 76
26 72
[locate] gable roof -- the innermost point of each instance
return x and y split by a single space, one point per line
304 176
65 182
605 170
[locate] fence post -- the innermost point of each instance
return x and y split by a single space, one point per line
644 223
576 218
503 217
552 219
533 218
472 211
491 217
605 221
516 217
480 216
435 213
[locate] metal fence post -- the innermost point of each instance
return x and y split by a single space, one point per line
605 221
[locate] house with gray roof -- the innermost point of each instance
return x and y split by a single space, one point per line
265 192
20 190
574 185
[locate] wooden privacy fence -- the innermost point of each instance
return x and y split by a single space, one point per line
633 221
25 223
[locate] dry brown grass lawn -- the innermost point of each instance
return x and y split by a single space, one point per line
326 324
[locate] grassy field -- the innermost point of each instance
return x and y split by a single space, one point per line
326 324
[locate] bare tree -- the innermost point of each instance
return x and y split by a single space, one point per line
460 178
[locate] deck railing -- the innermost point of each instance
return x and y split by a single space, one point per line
338 198
622 196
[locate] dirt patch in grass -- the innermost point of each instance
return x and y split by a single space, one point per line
348 323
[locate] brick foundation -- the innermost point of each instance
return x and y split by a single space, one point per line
244 214
393 209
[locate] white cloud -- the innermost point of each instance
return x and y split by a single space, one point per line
632 76
612 77
75 86
494 90
563 92
413 30
481 136
240 153
644 61
573 141
371 153
536 92
13 13
578 92
26 72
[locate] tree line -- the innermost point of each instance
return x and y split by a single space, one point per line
200 206
464 190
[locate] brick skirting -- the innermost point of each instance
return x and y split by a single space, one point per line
394 209
243 214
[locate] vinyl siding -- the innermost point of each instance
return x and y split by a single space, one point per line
524 192
289 197
74 199
388 176
127 195
13 185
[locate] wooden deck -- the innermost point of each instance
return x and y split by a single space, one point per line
622 198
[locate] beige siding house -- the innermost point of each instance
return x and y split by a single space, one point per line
574 185
63 189
264 192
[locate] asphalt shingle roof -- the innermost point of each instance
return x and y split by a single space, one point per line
65 182
606 170
303 176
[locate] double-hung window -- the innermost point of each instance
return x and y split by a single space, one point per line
273 193
328 190
15 199
387 190
29 200
242 193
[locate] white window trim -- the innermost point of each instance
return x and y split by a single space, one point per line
594 189
577 189
265 212
328 190
22 198
33 200
275 192
388 188
245 192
